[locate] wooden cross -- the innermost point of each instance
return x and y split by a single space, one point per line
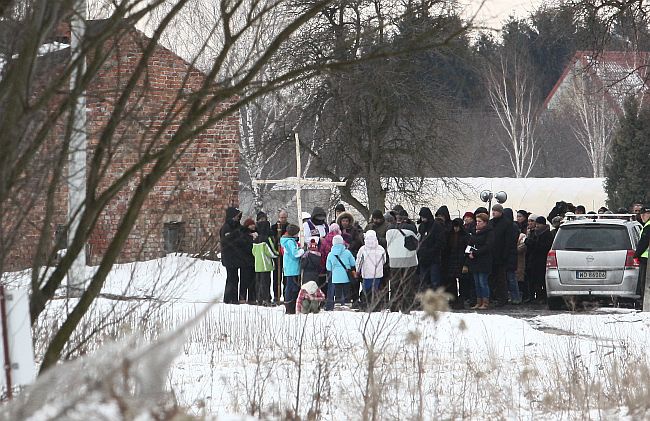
300 183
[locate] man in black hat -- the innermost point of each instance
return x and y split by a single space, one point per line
502 247
641 252
538 243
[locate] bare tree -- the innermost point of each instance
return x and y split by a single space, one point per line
595 121
512 98
35 123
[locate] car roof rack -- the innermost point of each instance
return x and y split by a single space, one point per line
570 216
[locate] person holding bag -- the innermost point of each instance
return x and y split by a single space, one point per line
341 265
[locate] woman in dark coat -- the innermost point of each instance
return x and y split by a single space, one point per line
480 260
236 248
454 255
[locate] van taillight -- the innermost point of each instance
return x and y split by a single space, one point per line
630 261
551 260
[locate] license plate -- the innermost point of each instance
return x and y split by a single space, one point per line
591 274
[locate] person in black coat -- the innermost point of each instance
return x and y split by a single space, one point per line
511 263
454 256
279 229
502 249
443 212
538 244
432 243
236 248
480 259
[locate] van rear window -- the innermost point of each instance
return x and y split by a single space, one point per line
592 238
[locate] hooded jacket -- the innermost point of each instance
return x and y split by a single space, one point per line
454 253
291 256
502 247
339 272
511 258
236 245
433 240
443 211
371 258
356 236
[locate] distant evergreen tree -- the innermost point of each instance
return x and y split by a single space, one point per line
627 175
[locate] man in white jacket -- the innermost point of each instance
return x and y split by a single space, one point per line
403 261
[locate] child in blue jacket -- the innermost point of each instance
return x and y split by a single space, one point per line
291 267
339 262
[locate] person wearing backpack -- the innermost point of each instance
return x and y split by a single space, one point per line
403 261
340 264
370 265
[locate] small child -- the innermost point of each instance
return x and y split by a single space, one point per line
310 263
264 252
309 298
370 263
291 266
340 263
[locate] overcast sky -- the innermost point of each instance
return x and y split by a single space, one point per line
494 12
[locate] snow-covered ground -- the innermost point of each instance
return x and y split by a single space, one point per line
344 365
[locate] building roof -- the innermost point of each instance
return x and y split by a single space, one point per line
619 73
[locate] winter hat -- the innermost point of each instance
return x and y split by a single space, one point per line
248 222
498 207
339 208
457 222
305 215
480 209
293 230
540 220
318 213
261 216
468 214
311 287
425 213
337 240
335 228
522 213
369 234
532 217
397 209
377 214
313 245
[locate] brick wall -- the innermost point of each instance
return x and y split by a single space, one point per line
195 191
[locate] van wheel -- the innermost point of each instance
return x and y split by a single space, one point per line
555 303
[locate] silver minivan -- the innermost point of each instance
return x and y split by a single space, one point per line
593 257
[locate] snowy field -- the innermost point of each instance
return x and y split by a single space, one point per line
243 360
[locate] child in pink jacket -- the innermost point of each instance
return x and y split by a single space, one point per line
309 298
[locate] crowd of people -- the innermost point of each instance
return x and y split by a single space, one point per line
486 258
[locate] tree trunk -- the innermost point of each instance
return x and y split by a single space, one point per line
376 194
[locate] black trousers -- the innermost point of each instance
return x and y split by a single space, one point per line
230 294
278 281
640 286
263 284
498 283
247 284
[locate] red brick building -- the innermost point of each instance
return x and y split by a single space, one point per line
186 207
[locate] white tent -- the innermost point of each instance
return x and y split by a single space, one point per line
537 195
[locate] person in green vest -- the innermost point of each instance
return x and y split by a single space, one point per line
264 251
641 252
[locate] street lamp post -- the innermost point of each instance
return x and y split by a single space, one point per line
487 196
